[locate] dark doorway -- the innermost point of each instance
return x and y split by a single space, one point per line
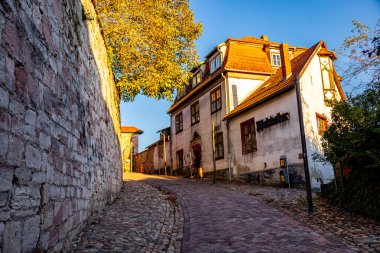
197 151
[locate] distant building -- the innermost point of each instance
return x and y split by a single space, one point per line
243 98
156 157
129 145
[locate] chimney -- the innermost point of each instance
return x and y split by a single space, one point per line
264 37
285 61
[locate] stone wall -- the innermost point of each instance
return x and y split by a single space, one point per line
144 161
59 123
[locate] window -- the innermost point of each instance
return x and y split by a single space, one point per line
276 60
215 63
180 92
216 100
248 136
197 78
179 123
321 123
219 150
194 109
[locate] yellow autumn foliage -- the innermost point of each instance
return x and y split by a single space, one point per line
150 43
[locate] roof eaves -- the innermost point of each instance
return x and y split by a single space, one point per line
195 90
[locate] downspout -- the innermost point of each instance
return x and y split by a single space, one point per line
304 150
171 144
229 151
227 93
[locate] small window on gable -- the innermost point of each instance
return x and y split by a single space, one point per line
276 60
215 63
321 124
197 78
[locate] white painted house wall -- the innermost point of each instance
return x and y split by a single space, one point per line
244 87
273 142
312 103
183 139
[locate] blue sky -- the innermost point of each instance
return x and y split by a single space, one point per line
299 23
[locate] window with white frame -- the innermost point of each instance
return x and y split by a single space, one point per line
215 63
276 60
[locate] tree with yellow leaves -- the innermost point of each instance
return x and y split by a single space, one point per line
150 43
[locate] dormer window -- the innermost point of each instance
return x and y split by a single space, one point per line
276 60
180 92
215 63
197 78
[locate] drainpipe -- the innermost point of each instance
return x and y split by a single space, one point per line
227 94
229 151
170 143
304 150
226 88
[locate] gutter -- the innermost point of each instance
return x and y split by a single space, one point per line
248 71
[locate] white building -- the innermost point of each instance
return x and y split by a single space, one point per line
246 91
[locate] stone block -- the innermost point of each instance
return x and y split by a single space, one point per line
6 175
4 147
44 140
15 151
22 175
3 198
55 192
5 214
2 226
30 117
12 237
16 109
30 234
9 79
26 198
39 177
44 240
33 157
48 218
5 119
4 98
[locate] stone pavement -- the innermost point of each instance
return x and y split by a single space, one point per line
142 219
204 217
221 220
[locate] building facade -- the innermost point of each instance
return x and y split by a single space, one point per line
129 146
155 159
239 114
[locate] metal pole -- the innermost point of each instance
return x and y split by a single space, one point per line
304 150
165 154
131 168
213 151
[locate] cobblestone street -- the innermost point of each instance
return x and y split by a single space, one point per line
148 218
142 219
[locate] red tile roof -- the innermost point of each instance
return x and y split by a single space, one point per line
246 57
276 84
130 129
325 51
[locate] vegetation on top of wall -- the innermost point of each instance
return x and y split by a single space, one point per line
150 44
